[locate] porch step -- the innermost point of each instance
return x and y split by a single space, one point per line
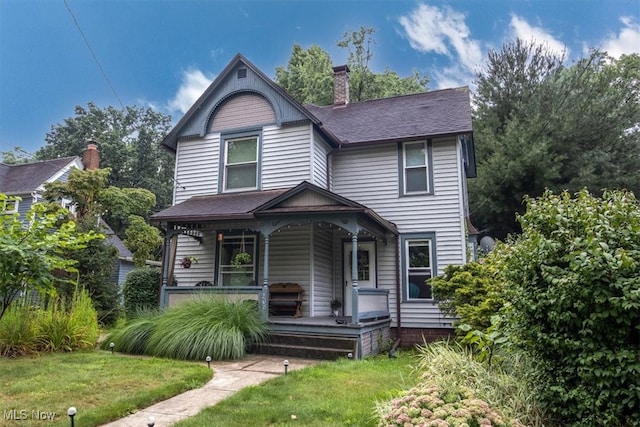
321 347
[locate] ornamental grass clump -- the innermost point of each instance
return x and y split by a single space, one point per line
429 404
205 326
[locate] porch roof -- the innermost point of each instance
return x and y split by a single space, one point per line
256 205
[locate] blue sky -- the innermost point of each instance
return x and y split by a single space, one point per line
163 53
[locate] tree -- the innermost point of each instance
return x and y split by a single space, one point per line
573 288
309 75
143 240
539 125
129 144
33 254
95 201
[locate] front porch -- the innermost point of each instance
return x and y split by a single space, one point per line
362 334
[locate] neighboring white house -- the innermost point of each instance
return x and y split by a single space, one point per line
360 202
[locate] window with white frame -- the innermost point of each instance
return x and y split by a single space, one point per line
9 205
241 163
237 264
415 168
419 264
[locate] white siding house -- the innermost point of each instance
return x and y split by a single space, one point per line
362 203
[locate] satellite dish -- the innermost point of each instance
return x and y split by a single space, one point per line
487 244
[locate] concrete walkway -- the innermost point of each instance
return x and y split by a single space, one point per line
228 378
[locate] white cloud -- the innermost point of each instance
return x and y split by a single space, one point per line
528 33
443 31
194 83
625 42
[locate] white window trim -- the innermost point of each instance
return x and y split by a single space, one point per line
254 255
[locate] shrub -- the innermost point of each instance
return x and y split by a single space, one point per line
574 277
141 290
432 405
205 326
471 292
506 387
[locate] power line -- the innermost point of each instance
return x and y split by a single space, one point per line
93 54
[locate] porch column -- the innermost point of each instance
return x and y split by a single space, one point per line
166 260
264 303
354 278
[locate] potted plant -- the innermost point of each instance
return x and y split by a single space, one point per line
240 259
187 261
336 305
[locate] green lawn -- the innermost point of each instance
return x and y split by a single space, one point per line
102 386
340 393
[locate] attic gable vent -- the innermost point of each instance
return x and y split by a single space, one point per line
242 73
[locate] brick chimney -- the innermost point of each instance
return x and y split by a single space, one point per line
340 86
91 156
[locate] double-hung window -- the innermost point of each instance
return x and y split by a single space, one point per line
241 163
419 265
237 260
415 159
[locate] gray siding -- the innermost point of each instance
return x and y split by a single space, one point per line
285 156
370 176
322 272
197 167
320 166
205 252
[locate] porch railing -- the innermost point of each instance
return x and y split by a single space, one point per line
171 295
369 303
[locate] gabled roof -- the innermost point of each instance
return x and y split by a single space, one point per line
195 120
28 177
422 115
305 198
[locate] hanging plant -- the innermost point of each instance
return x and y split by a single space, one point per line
240 259
187 261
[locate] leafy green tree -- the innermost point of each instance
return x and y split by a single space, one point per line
129 144
574 304
309 74
32 254
143 240
539 124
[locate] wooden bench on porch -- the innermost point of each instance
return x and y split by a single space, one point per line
285 299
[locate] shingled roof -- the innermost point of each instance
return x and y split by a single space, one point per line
27 177
428 114
229 206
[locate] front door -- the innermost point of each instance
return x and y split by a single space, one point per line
366 270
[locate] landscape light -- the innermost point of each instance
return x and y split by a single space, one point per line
111 346
72 413
151 422
350 356
208 359
286 366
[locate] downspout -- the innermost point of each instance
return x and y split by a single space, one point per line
398 294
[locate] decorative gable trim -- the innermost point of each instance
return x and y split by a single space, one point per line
231 82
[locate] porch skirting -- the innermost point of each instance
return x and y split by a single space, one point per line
418 336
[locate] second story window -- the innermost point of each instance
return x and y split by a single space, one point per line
241 163
415 168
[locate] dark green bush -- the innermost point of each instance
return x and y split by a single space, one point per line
574 290
141 290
